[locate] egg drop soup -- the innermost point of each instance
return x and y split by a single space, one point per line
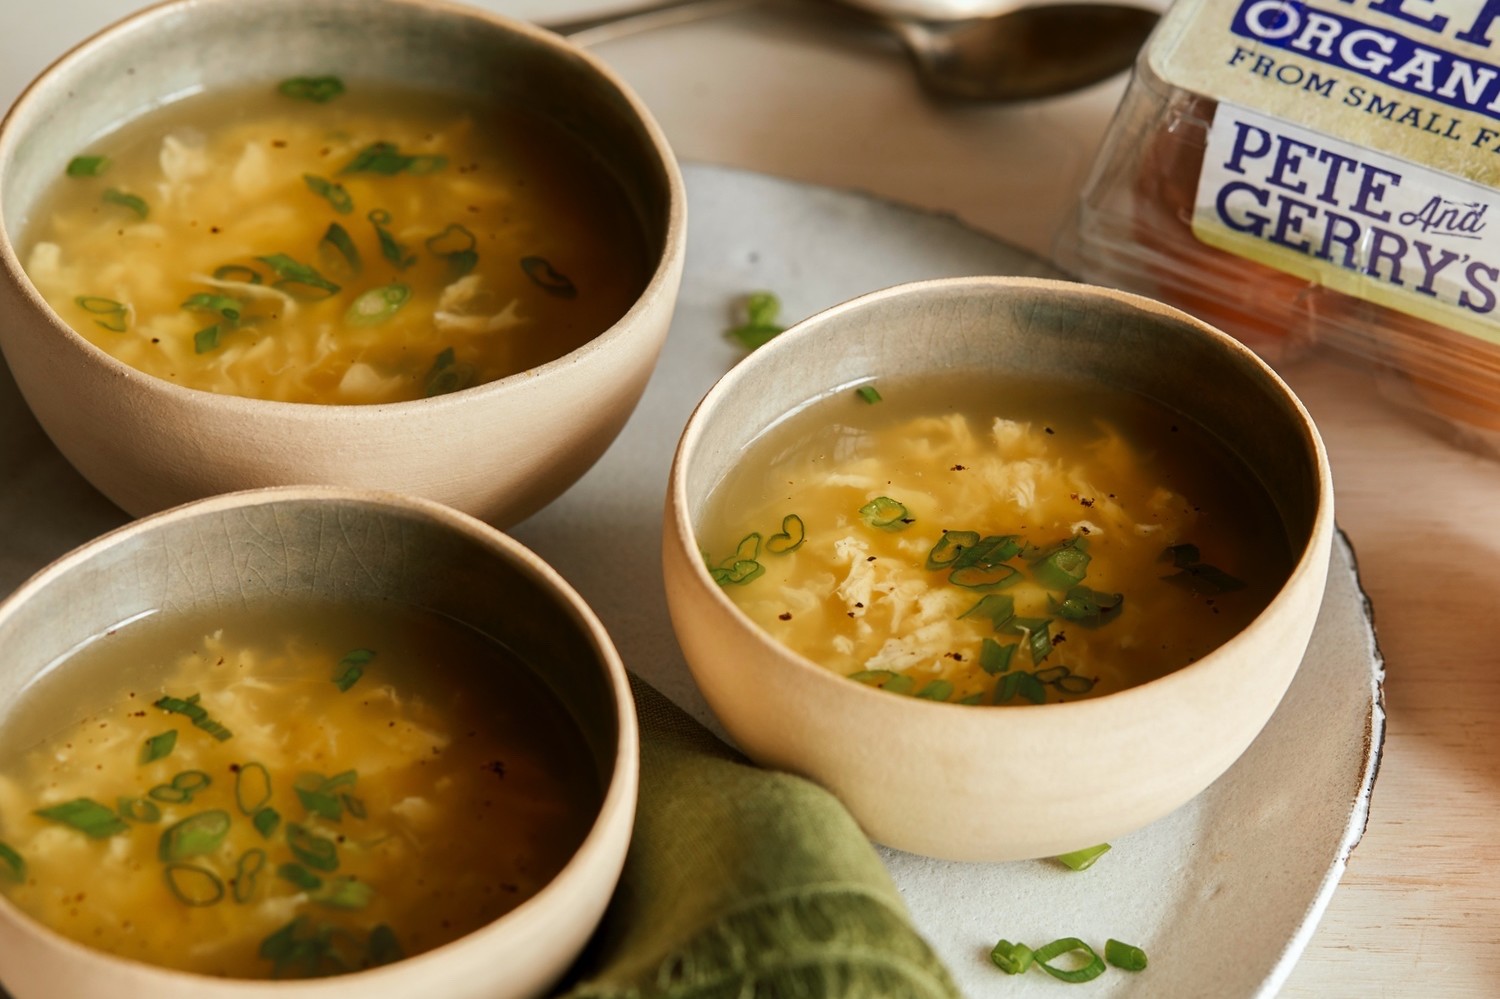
288 793
981 540
322 244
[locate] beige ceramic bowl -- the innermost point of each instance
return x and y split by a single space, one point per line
500 450
345 545
1002 783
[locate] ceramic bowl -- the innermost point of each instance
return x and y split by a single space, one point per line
960 782
333 544
500 450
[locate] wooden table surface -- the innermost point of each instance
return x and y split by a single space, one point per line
807 96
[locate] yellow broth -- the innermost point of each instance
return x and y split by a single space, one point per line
477 241
983 540
420 793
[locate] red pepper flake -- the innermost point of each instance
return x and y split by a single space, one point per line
870 559
956 468
495 767
1059 638
784 616
1051 431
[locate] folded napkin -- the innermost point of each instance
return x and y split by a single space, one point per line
743 883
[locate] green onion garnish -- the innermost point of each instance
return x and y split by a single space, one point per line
744 565
937 690
194 835
265 821
247 872
313 850
988 552
351 668
206 339
1000 608
384 158
238 273
868 393
949 548
886 514
299 876
334 193
1124 956
183 787
87 166
448 375
337 250
193 885
384 948
1025 684
318 89
190 709
356 806
793 533
129 201
1075 684
975 698
1092 968
896 683
1082 860
139 810
1063 565
1011 958
317 800
377 305
392 250
301 281
345 892
548 278
87 816
1089 608
115 314
1205 580
974 577
995 658
221 305
762 310
12 864
455 244
1181 556
1038 640
159 746
252 787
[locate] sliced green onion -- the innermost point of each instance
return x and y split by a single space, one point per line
337 250
311 849
356 806
1086 607
989 552
936 690
1005 690
87 166
548 278
384 158
159 746
1052 674
976 698
190 709
448 375
902 684
237 273
793 533
383 947
87 816
876 677
1000 608
318 89
1031 688
169 794
886 514
345 892
301 281
139 810
1075 684
748 548
247 874
299 876
995 658
193 885
252 787
1091 969
950 548
1125 956
265 821
1082 860
194 835
868 393
12 864
455 244
742 571
377 305
1205 580
1061 566
221 305
1181 556
206 339
115 314
322 804
975 577
130 201
761 310
351 668
390 248
1038 640
332 192
345 778
1011 958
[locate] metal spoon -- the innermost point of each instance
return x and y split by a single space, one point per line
1021 54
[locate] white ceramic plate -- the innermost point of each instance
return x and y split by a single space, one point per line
1223 894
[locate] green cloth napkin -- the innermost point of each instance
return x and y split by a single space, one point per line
742 883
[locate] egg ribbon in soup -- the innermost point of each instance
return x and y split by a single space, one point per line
293 792
989 540
312 243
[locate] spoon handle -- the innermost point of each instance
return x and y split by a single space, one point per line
587 31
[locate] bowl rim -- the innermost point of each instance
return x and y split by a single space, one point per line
667 260
621 786
681 533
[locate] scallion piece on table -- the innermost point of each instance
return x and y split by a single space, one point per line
193 885
247 874
87 166
761 310
252 787
139 810
886 514
12 864
869 393
1082 860
133 202
318 89
377 305
1125 956
159 746
87 816
1011 958
1090 968
793 533
194 836
350 668
331 191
